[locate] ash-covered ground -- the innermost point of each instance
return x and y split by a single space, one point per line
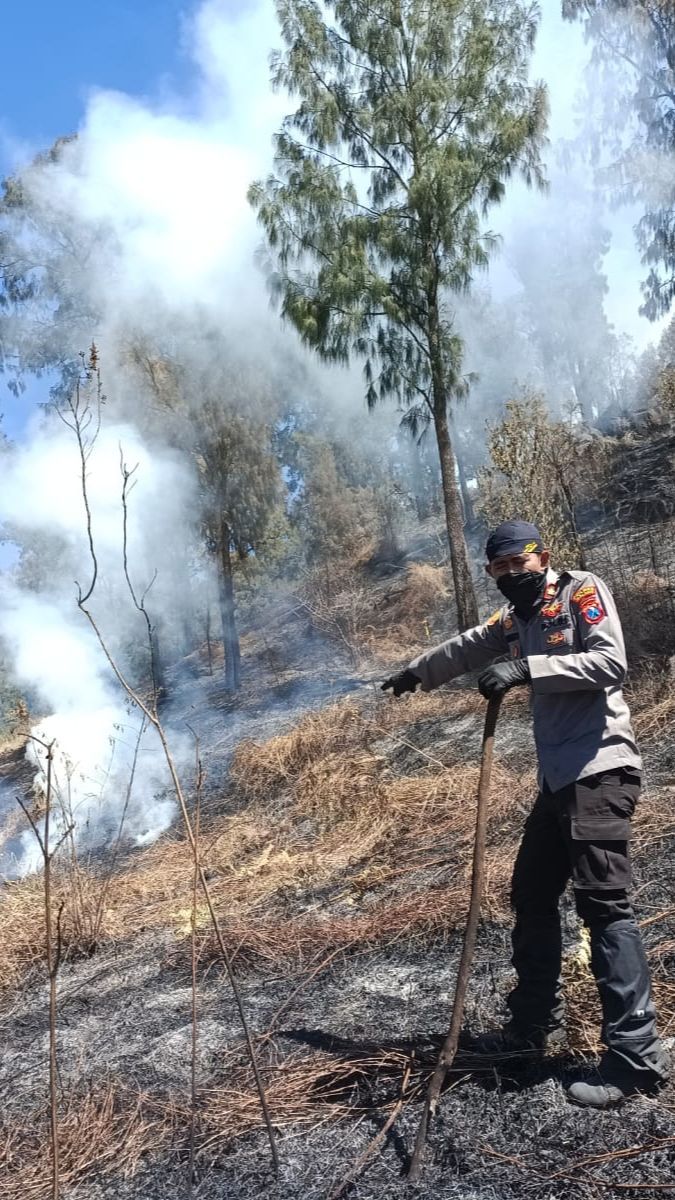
347 1034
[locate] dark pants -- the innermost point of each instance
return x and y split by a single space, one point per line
582 832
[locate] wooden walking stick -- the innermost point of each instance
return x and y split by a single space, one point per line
449 1048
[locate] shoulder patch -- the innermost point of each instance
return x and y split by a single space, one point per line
592 611
585 592
589 603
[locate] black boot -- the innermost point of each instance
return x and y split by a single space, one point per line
515 1042
635 1060
535 1003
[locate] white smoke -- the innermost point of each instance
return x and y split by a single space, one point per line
562 59
164 189
56 655
156 193
153 199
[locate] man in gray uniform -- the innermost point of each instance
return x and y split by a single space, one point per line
562 637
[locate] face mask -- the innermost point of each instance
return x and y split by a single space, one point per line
523 590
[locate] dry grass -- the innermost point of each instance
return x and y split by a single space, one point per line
379 857
301 1090
258 770
404 622
384 622
371 833
121 1126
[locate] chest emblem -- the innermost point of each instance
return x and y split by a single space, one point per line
555 639
552 610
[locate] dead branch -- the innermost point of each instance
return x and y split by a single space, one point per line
79 425
449 1048
193 955
53 955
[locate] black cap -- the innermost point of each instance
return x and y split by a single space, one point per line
514 537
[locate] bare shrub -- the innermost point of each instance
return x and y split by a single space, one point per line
107 1129
533 469
406 617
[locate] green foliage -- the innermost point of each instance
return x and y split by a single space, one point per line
336 520
633 81
531 474
46 312
238 471
411 118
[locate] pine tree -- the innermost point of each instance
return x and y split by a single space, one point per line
412 116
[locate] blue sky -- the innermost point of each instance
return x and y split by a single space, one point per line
59 50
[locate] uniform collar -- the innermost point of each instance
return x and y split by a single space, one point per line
552 579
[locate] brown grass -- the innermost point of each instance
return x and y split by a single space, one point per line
652 701
301 1090
406 620
260 769
371 833
380 858
107 1130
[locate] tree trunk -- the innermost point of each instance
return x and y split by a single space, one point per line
467 502
571 516
465 596
209 649
231 651
157 665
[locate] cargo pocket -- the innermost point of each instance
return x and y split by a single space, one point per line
621 791
600 852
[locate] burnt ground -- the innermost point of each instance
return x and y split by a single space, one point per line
372 1020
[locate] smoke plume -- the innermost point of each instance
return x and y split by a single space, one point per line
153 236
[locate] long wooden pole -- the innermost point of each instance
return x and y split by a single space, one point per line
449 1048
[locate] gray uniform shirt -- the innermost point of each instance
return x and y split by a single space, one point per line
575 651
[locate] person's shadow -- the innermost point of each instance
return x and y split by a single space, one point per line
368 1073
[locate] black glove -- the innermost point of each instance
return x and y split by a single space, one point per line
503 675
406 681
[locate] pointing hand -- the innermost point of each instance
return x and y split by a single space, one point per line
405 681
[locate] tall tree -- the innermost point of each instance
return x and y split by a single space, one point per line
412 116
47 310
633 80
242 489
222 415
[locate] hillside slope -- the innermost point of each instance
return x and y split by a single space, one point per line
336 834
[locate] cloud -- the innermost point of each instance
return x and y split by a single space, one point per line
167 190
